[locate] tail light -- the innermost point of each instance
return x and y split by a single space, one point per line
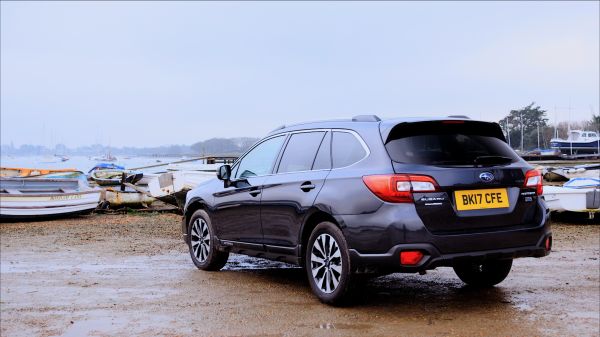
398 188
410 258
533 178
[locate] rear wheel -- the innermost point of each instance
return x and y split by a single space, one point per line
328 265
202 244
485 274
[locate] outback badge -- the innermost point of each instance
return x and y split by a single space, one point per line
486 176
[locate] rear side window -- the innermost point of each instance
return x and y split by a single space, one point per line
300 152
439 143
346 149
323 159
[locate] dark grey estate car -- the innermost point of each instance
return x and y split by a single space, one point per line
362 196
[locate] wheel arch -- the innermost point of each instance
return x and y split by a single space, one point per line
313 219
194 205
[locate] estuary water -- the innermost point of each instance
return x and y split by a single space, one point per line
84 164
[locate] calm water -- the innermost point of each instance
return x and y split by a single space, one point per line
84 164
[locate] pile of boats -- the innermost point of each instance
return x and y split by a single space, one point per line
44 193
579 193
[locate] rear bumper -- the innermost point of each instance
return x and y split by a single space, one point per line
390 261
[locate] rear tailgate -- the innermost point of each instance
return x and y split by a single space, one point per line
480 177
440 212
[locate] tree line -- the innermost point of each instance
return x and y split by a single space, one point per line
537 132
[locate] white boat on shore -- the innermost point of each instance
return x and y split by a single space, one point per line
33 198
172 187
561 199
194 166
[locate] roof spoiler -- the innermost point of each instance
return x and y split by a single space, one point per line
366 118
459 116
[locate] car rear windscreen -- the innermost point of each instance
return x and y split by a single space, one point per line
449 143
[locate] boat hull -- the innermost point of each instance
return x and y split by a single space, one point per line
37 206
580 147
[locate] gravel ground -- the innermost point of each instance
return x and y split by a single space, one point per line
128 274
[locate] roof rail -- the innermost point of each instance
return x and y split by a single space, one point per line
366 118
459 116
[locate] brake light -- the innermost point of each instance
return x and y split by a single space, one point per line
410 258
453 122
398 188
533 178
549 243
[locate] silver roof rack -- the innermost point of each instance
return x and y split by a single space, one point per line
366 118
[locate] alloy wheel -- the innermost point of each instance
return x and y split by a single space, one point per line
326 263
200 239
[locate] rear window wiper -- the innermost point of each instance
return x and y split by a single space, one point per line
492 160
449 162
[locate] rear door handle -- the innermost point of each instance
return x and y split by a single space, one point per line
307 188
255 193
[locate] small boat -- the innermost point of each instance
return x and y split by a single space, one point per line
193 166
35 198
173 187
48 159
561 199
66 175
26 172
105 166
579 141
113 177
582 171
147 178
553 174
583 183
128 198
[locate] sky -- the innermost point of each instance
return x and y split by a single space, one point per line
157 73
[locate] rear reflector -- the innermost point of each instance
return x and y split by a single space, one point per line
549 243
533 178
410 258
398 188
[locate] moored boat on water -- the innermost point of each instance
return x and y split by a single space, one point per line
114 177
33 198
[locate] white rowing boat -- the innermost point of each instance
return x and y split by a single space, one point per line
32 198
172 187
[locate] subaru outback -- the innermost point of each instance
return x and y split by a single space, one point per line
366 196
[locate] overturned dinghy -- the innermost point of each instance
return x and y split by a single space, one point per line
561 199
33 198
114 177
173 187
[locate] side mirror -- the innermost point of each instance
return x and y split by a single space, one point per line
224 173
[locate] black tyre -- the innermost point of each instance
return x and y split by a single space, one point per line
484 274
328 265
202 244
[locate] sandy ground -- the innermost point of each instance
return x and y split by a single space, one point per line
130 275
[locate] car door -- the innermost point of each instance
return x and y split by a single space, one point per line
290 192
237 207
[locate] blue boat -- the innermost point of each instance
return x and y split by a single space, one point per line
578 142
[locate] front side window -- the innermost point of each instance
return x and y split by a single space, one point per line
259 160
346 149
300 152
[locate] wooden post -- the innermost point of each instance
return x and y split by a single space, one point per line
123 181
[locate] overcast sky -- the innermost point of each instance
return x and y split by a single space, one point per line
157 73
